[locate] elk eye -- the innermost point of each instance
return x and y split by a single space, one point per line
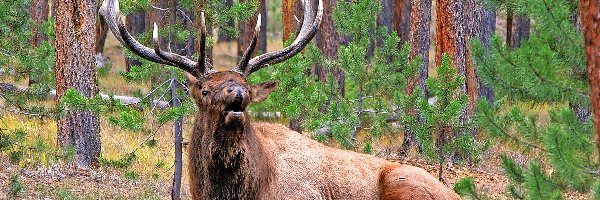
204 92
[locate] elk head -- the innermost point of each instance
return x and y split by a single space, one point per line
225 94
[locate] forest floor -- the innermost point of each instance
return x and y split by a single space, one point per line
149 177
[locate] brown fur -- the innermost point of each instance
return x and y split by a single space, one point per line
231 158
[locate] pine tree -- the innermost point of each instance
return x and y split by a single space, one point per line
441 118
548 68
76 69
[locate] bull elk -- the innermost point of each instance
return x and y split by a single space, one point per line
232 158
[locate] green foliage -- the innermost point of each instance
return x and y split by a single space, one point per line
31 152
63 194
130 6
19 60
122 163
512 170
129 119
466 189
173 113
298 94
539 186
547 70
131 175
15 187
441 130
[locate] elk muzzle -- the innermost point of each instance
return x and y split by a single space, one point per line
236 98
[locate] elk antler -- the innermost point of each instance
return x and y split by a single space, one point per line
307 32
111 13
242 66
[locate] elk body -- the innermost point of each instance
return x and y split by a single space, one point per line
232 158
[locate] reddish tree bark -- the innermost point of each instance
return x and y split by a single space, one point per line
75 68
450 33
401 19
291 10
590 10
420 20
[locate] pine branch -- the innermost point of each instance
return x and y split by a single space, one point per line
514 138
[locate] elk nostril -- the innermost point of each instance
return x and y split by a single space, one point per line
239 97
229 90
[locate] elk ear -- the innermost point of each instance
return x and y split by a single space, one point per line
191 79
260 92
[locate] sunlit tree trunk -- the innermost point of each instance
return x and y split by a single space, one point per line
291 10
450 33
590 10
420 20
75 68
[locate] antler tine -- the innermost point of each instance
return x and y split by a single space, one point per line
243 65
201 65
179 61
307 32
112 15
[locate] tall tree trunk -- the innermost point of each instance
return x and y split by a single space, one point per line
420 20
136 23
156 16
101 34
53 9
589 10
450 33
451 40
39 14
247 31
327 39
262 43
75 68
223 36
386 14
488 29
401 19
477 19
290 12
517 29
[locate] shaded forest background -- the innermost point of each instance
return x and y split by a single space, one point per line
491 96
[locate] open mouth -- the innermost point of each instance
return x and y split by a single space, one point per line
235 107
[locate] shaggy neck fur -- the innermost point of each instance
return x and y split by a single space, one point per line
226 160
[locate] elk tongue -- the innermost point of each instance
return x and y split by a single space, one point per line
235 111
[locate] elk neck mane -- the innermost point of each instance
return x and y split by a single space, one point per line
232 162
